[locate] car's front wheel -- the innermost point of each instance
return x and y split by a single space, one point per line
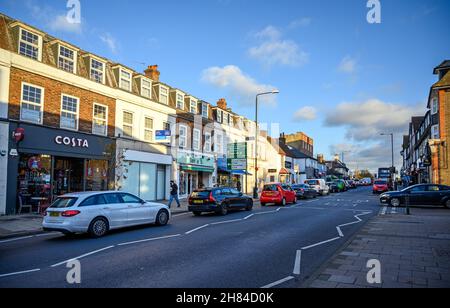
249 206
447 204
223 210
395 202
283 202
162 218
295 200
98 227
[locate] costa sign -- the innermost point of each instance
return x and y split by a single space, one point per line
72 142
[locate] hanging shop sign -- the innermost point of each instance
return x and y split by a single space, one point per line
19 134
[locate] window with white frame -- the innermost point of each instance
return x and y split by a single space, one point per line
127 124
97 71
29 44
66 59
434 106
218 144
196 139
146 88
225 118
230 120
125 80
69 112
219 116
205 110
182 140
31 105
166 126
148 129
163 95
100 120
207 147
193 106
435 132
180 101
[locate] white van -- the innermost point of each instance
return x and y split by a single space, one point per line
319 185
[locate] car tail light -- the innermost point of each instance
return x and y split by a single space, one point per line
302 190
211 198
70 213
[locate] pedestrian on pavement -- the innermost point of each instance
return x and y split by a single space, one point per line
239 186
174 194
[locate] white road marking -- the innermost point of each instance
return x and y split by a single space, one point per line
150 239
383 210
182 214
321 243
281 281
225 222
298 261
82 256
196 229
340 231
16 239
19 273
249 216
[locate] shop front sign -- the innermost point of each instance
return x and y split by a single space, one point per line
72 142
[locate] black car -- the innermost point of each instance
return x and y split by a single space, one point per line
423 194
333 187
218 200
304 191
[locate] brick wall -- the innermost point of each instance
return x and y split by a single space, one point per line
52 100
444 155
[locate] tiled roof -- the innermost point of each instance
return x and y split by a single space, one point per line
443 65
444 82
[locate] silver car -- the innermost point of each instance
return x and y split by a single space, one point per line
98 212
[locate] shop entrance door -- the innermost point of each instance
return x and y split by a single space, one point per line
68 175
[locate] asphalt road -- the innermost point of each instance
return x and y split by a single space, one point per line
268 247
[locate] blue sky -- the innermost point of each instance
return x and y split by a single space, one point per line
341 79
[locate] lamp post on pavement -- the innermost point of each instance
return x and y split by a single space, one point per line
255 189
393 164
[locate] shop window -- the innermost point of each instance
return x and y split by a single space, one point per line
32 103
96 175
100 120
69 112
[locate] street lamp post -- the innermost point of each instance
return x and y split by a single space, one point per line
255 189
393 164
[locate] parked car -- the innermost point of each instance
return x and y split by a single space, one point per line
319 185
352 184
333 187
341 185
380 186
277 193
304 191
219 200
422 194
97 213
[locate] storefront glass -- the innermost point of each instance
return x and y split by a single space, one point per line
145 180
68 175
96 175
147 187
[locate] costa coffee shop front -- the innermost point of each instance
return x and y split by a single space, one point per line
49 162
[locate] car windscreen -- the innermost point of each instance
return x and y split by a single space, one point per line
380 182
270 188
201 194
313 182
64 202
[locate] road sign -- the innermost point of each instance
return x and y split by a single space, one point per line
237 150
237 164
163 136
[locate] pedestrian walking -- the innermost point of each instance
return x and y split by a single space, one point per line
174 194
239 186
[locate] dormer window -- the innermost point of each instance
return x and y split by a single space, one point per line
193 106
434 106
225 118
97 71
163 95
30 45
146 88
125 80
67 59
219 116
205 110
180 101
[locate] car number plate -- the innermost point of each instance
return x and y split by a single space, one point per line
54 214
198 201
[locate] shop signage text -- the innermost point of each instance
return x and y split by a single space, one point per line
73 142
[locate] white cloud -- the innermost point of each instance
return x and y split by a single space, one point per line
298 23
273 50
307 113
348 65
61 24
110 41
366 120
239 85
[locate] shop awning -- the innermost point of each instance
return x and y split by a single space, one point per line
197 168
240 172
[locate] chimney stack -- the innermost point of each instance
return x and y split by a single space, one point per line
152 73
222 104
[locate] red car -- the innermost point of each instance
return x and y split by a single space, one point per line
380 186
277 193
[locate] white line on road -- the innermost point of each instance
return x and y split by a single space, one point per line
321 243
149 239
225 222
182 214
277 282
298 261
19 273
383 210
82 256
249 216
196 229
340 231
16 239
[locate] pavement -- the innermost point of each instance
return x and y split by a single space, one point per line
271 247
414 252
31 224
